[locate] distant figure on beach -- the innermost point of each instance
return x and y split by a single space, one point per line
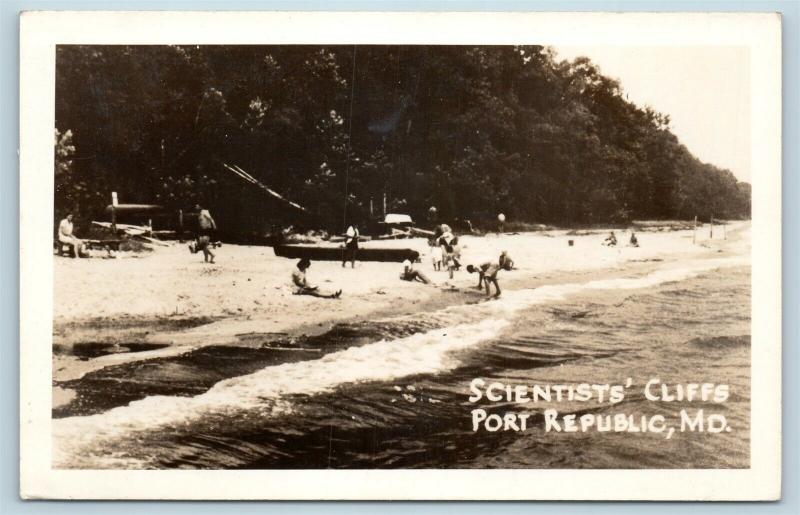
409 274
611 240
442 230
505 261
302 287
66 236
487 275
436 255
501 222
634 242
206 226
433 214
351 246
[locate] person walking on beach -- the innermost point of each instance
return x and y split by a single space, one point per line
206 226
302 287
351 246
409 274
65 236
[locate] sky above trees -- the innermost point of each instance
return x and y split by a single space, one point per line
705 90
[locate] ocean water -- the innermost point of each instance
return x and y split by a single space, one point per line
395 393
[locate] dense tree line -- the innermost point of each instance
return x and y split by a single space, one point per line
472 130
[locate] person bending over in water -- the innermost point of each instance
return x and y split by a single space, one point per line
505 262
409 274
487 274
301 283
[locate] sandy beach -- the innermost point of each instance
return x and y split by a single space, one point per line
174 301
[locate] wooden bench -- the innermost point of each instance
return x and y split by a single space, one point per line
65 249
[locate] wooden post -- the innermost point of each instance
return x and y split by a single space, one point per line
114 212
694 235
724 231
384 205
711 230
180 225
150 225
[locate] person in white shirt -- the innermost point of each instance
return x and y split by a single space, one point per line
65 236
351 246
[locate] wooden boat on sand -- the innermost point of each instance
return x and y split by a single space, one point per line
328 253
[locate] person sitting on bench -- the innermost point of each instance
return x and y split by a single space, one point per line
65 237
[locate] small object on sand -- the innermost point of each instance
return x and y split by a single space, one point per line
571 243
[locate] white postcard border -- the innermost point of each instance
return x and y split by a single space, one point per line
41 31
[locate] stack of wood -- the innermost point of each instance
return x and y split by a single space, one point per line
143 233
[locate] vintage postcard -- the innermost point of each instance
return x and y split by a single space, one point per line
287 255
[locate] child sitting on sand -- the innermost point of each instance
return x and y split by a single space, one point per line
611 241
301 283
634 242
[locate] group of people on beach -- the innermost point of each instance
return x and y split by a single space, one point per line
445 254
611 240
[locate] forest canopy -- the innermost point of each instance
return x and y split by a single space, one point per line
474 131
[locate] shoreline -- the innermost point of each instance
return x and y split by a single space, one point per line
380 295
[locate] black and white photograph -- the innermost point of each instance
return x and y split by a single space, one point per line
392 256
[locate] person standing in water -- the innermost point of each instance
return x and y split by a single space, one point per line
351 246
